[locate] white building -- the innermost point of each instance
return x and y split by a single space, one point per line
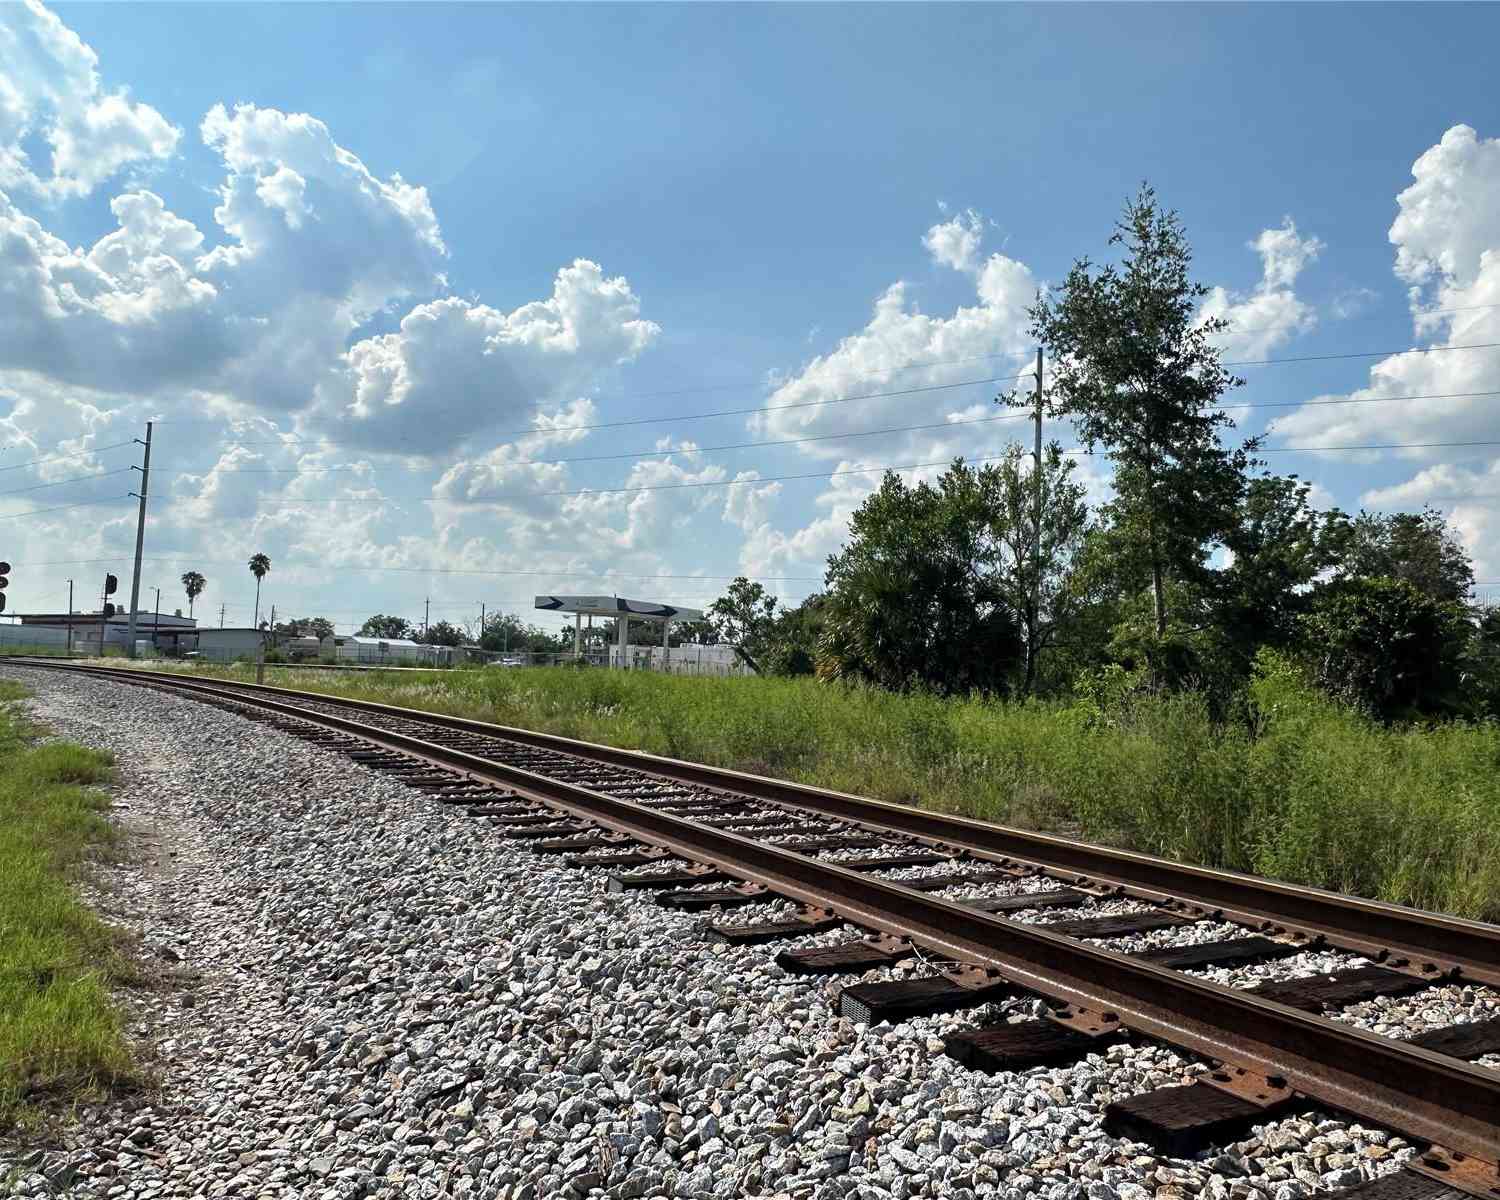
224 645
398 651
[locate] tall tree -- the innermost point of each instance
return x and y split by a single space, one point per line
318 627
193 584
1279 546
382 626
1137 373
442 633
913 598
1035 576
1419 548
260 567
743 617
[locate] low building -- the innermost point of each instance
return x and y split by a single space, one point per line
397 651
226 645
167 633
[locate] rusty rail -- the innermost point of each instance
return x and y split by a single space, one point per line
1428 1096
1387 933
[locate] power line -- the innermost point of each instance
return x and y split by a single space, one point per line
727 412
654 487
725 387
1268 362
524 462
33 512
59 457
36 487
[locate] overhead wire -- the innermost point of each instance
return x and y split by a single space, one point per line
36 487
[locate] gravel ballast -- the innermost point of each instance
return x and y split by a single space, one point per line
376 996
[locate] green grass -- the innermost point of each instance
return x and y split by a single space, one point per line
1298 789
60 1037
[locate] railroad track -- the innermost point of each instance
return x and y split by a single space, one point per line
703 838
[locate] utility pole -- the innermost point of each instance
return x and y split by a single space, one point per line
140 537
221 616
70 616
156 623
1036 551
426 615
480 638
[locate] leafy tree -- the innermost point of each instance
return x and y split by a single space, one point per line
1387 646
1279 545
382 626
792 643
318 627
507 632
442 633
1035 579
1420 548
193 584
1482 664
913 598
260 567
743 616
1136 371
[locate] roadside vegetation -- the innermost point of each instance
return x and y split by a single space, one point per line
60 1036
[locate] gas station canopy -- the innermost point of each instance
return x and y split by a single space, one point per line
617 606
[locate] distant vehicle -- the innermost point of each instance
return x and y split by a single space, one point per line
510 660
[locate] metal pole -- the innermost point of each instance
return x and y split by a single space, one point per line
140 537
1036 558
426 616
70 616
156 623
480 638
577 635
103 600
221 616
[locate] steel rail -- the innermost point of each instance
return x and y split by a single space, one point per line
1392 934
1427 1096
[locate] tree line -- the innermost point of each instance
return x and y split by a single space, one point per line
1000 579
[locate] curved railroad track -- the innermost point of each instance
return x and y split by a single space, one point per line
707 838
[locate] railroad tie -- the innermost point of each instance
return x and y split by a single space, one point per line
1228 953
1023 1044
634 880
900 999
1100 927
1403 1185
770 931
847 958
891 862
1060 898
684 900
631 858
569 845
1462 1041
1181 1121
1339 988
936 883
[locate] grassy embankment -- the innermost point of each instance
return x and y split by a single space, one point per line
60 1037
1299 790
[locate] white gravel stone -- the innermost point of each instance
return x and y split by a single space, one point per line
389 1000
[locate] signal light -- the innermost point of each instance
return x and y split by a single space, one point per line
4 582
109 611
110 584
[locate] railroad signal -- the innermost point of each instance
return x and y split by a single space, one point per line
109 611
4 582
110 584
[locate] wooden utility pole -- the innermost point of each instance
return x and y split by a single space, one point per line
426 615
70 617
140 538
221 616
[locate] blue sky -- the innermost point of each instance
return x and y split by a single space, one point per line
745 186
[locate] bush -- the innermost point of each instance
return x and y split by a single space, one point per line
1386 647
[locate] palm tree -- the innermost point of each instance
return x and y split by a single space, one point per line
193 584
260 567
